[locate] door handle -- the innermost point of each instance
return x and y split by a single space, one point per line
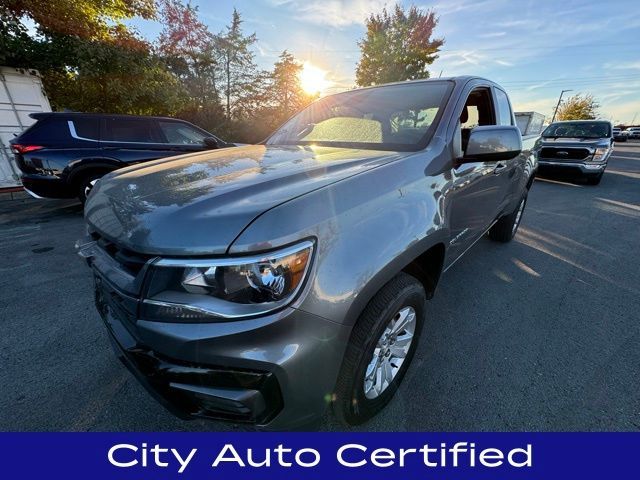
499 167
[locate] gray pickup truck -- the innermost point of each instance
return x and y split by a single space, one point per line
579 148
264 283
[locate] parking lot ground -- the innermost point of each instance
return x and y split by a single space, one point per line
539 334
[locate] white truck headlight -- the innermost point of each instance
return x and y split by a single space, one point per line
600 154
226 288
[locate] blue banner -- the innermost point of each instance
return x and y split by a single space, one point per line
372 456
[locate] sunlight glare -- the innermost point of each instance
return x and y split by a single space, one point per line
313 79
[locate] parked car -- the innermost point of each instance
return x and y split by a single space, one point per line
632 132
580 148
618 135
262 283
62 155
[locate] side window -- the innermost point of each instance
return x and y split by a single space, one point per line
504 109
85 128
478 110
133 130
181 134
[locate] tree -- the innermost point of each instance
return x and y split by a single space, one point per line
286 91
578 107
88 58
188 48
92 19
397 46
238 70
108 78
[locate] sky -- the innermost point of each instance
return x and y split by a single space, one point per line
534 49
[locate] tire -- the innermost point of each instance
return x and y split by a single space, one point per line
505 229
87 184
594 180
351 404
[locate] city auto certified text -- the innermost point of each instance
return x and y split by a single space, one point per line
352 455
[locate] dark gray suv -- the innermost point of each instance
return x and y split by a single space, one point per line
264 283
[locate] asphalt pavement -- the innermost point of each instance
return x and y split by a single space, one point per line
541 334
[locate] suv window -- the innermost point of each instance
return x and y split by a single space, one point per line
135 130
181 133
504 109
85 128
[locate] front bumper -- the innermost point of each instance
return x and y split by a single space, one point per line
276 372
46 186
572 168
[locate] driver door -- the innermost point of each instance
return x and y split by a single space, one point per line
477 188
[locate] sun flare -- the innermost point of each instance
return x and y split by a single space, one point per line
313 79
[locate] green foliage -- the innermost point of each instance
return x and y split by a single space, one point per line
578 107
397 46
108 78
92 19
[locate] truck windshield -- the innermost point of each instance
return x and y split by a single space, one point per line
578 130
393 117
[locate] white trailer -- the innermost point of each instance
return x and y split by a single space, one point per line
21 93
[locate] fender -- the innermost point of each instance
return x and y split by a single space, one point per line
384 275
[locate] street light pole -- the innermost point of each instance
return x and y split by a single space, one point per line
555 112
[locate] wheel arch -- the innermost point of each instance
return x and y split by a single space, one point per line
424 260
80 170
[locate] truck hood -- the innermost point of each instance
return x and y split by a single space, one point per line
198 204
572 142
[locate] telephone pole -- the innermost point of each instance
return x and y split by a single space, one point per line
555 112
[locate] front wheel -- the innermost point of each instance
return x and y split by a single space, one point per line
87 185
505 229
380 350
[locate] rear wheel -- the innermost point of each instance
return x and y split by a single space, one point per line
505 229
86 185
380 350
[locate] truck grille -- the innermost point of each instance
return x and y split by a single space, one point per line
131 262
566 154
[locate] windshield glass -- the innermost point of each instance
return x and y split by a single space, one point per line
393 117
578 130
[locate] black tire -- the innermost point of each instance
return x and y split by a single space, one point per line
350 404
87 184
505 229
594 180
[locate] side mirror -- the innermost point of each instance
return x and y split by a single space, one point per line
211 142
492 143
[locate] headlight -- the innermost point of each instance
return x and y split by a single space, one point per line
601 153
225 289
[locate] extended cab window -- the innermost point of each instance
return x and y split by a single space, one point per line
131 130
504 109
392 117
181 134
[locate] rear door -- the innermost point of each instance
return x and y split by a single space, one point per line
135 139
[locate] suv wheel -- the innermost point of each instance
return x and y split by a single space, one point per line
505 229
86 185
380 349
